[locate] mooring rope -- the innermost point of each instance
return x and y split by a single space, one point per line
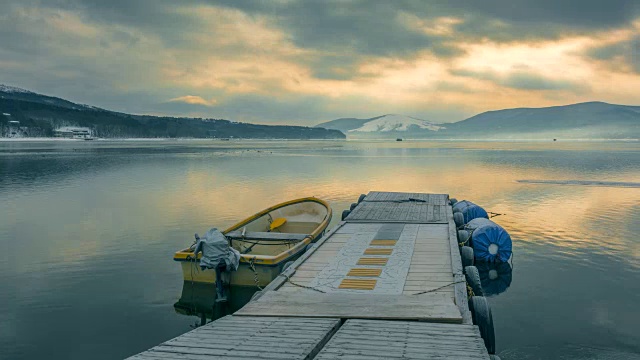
300 285
398 201
439 288
493 214
324 292
255 273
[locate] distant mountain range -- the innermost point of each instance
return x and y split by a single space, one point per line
40 115
590 120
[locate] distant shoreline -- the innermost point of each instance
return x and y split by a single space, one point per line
48 139
26 139
500 140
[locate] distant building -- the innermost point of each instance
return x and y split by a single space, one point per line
73 132
14 129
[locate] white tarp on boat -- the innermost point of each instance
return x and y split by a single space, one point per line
215 248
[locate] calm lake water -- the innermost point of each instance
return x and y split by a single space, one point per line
88 230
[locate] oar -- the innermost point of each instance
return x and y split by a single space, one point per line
278 222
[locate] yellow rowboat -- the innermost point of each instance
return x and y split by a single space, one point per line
267 241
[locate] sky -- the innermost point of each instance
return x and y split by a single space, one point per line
305 62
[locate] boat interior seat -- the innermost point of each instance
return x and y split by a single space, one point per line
267 236
298 227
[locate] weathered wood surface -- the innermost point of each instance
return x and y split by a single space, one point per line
355 252
425 307
460 289
435 199
282 278
420 260
404 208
234 337
378 339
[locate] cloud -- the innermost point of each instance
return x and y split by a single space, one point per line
194 100
305 61
577 14
527 81
623 55
442 26
383 27
523 80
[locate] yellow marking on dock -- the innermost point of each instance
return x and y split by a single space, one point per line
376 251
373 261
364 272
383 242
358 284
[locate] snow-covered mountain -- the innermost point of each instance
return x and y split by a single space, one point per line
388 124
12 89
394 122
589 120
15 93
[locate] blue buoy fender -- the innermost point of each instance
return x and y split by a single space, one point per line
476 223
494 277
470 210
491 242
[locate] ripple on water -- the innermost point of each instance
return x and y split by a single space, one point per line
584 183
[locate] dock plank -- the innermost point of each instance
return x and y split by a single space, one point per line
379 339
400 208
460 289
431 307
234 337
394 259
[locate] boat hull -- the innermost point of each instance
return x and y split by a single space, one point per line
244 276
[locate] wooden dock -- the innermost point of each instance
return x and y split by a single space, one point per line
385 283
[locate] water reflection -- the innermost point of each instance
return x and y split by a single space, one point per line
199 300
92 226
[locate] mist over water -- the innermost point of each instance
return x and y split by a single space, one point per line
88 231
